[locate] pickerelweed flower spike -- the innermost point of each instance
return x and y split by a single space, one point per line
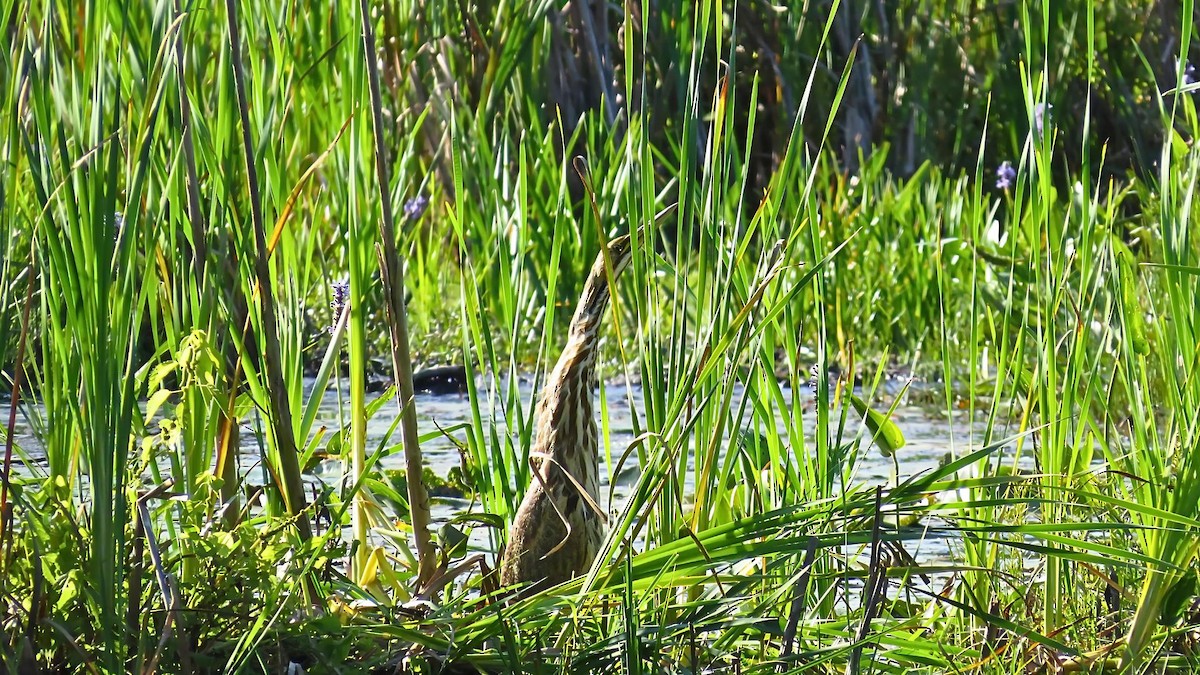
415 208
1041 112
1006 176
340 295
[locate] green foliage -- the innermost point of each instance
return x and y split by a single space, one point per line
241 576
808 200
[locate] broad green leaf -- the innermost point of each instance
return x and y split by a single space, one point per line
886 433
1177 601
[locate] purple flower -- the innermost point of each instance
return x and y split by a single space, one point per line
340 292
1006 176
1041 112
415 208
1189 74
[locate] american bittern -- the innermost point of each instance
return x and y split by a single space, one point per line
558 529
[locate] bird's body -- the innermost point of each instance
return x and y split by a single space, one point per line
558 529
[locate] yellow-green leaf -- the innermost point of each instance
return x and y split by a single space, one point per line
155 402
886 434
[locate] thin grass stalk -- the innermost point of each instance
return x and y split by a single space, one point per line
93 315
194 211
978 552
1176 334
393 272
226 432
1038 223
14 404
358 260
875 588
281 419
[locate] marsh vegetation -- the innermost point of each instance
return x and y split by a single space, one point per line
226 229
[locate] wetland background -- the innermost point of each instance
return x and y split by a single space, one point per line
227 226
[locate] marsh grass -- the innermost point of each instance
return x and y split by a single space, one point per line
175 210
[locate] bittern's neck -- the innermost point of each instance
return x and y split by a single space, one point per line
567 400
578 361
568 430
589 315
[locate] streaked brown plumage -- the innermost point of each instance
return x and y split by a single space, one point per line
557 532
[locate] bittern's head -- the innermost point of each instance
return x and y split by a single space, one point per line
594 300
